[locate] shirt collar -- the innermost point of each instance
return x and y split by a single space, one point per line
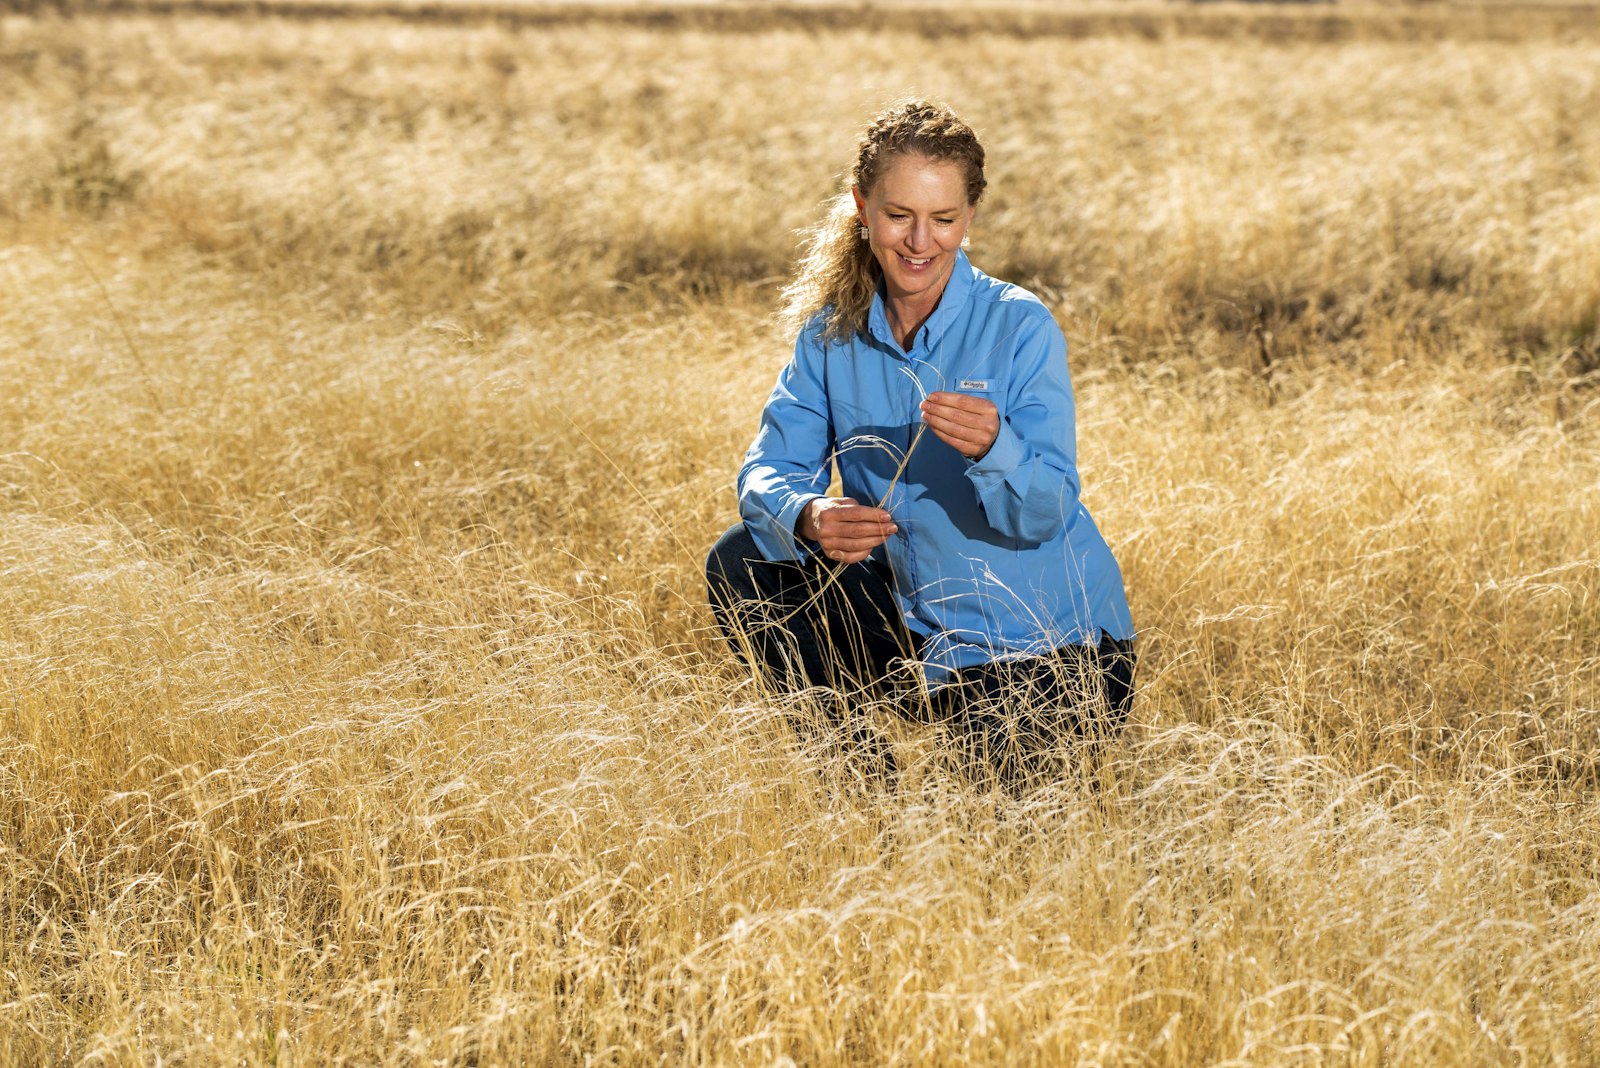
951 301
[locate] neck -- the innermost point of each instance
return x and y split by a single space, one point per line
907 314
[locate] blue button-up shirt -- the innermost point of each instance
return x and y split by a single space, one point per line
994 558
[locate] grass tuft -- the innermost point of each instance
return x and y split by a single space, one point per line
372 387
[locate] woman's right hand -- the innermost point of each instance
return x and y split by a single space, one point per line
847 531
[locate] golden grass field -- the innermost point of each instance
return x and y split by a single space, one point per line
371 390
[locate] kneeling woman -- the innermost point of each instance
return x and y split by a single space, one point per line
959 549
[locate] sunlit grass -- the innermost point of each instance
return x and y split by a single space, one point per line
370 395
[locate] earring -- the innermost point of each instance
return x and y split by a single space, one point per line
966 241
865 233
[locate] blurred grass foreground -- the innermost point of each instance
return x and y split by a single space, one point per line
371 388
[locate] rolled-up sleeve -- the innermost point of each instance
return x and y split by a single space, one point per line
1028 480
787 465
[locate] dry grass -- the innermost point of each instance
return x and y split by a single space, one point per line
355 708
1320 20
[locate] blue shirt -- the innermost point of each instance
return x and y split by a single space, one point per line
993 558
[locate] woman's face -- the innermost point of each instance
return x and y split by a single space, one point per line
917 214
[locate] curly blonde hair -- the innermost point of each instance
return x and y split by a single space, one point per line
838 273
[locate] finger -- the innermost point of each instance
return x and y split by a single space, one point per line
965 431
857 513
874 524
856 528
822 507
962 401
951 433
973 417
967 442
854 544
963 445
960 427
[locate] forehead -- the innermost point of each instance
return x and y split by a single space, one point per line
917 180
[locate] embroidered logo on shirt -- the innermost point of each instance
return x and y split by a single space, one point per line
974 383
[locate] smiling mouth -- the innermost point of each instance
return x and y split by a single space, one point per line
915 265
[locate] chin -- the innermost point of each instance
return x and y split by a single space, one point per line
937 270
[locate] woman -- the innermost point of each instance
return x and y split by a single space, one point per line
959 554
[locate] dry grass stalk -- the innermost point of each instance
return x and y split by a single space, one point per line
353 711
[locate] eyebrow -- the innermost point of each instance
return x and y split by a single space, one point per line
938 211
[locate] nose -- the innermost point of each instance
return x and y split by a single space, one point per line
918 238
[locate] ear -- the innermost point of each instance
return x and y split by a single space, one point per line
861 204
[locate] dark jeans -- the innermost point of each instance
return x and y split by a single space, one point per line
1017 715
836 627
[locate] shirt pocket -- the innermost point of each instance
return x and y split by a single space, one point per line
990 389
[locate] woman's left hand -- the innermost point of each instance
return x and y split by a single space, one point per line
966 423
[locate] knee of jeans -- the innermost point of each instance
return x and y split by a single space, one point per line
725 563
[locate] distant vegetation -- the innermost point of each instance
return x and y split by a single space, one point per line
373 387
1292 20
